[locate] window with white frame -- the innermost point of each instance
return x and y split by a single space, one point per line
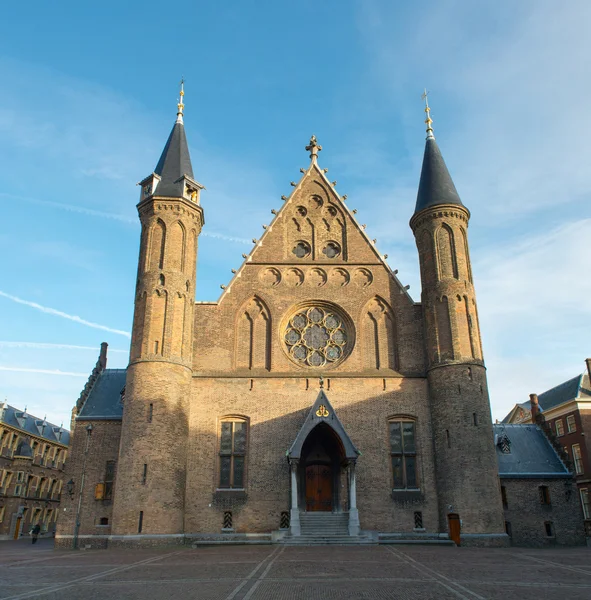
559 427
577 459
571 424
585 502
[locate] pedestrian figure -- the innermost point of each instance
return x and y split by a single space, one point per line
35 532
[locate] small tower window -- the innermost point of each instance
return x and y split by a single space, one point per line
161 279
545 495
504 496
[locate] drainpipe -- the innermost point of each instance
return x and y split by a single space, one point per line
77 525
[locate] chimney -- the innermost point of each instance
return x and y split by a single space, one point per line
588 362
103 356
535 408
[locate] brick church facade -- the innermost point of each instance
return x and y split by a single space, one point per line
314 387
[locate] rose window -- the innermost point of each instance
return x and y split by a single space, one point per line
316 336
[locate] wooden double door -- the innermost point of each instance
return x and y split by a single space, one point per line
319 480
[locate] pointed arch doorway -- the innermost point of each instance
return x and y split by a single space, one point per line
320 470
322 460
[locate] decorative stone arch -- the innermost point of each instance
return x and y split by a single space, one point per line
253 335
380 335
445 248
157 241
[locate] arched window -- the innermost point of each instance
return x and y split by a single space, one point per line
403 453
232 453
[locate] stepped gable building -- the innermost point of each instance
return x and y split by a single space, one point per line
33 453
218 429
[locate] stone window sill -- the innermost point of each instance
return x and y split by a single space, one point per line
230 493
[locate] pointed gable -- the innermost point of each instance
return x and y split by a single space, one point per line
315 227
323 412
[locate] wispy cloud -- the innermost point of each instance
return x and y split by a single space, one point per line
43 371
114 216
59 313
48 346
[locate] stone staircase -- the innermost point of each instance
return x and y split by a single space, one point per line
325 528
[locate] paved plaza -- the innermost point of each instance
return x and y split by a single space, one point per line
290 573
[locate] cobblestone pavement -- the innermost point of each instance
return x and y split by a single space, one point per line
286 573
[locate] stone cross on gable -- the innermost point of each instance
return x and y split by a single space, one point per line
314 148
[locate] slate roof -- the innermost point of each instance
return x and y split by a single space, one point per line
32 425
104 400
436 185
573 388
577 387
531 456
174 163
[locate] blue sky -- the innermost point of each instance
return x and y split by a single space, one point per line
89 97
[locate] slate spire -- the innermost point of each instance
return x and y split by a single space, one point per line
436 186
175 162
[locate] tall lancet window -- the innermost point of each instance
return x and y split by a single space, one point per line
403 454
232 456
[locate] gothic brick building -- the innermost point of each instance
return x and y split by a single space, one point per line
219 427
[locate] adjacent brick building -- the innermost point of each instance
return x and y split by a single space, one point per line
33 453
314 385
537 489
566 410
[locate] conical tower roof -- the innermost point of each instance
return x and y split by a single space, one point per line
174 163
436 186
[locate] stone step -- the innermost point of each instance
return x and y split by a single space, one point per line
426 542
327 541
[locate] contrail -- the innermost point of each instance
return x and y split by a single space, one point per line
114 216
44 371
59 313
46 345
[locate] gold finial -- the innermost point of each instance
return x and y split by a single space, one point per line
180 105
313 148
428 120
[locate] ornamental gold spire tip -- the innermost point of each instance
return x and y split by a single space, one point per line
180 105
428 120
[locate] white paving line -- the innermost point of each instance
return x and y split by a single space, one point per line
250 575
555 564
436 576
263 575
73 582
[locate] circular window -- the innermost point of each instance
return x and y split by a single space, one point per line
317 335
332 250
301 249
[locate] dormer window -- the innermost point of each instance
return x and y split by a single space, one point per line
504 443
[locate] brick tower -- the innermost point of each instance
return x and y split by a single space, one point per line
466 464
151 471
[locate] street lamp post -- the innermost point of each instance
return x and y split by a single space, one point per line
81 490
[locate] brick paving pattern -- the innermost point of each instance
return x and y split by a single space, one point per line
286 573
